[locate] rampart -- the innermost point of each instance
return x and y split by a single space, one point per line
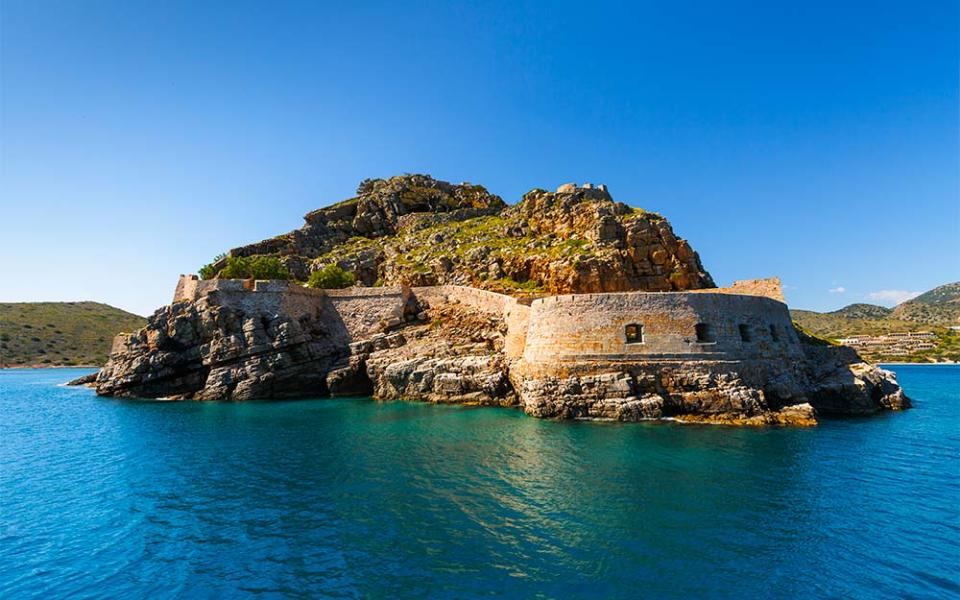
768 288
744 321
358 313
514 312
644 326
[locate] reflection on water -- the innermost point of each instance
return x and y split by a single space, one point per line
354 498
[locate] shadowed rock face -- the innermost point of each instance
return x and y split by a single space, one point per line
210 349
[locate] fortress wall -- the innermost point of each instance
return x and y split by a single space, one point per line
366 311
577 327
186 288
362 311
593 326
482 300
515 314
769 288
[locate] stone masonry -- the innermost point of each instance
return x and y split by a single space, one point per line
721 355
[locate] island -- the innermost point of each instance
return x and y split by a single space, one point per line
567 305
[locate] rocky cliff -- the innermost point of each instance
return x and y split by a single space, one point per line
432 345
723 356
415 230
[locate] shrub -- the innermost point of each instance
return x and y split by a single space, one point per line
207 271
331 277
254 267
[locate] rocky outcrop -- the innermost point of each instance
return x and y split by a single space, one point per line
216 348
236 344
709 355
417 231
375 212
747 393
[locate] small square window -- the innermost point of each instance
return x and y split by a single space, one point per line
745 334
704 333
774 334
634 333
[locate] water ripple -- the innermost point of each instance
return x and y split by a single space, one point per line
351 498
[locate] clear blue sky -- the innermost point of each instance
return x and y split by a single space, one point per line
817 141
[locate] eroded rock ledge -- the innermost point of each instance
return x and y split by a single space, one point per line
716 356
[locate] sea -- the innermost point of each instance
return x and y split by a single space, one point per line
352 498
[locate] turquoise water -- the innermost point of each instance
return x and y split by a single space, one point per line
352 498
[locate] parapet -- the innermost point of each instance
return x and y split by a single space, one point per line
766 288
186 288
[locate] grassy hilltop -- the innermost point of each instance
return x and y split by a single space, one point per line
416 230
934 311
60 333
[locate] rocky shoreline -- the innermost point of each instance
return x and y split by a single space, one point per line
567 305
219 348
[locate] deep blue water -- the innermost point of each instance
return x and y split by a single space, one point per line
353 498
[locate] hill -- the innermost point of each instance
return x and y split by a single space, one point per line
415 230
940 306
60 333
863 311
935 310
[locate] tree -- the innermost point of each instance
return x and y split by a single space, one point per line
331 277
254 267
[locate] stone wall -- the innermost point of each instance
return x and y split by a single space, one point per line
353 313
186 288
587 327
367 311
744 322
768 288
514 312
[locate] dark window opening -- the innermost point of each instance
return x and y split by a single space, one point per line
634 333
774 334
704 333
745 333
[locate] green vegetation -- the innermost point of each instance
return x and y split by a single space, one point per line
939 306
838 324
208 271
810 337
639 212
933 311
948 349
529 286
254 267
331 277
61 333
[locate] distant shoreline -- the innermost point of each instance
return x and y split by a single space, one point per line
49 367
925 364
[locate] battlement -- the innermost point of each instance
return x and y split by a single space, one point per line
767 288
191 287
746 320
569 188
641 326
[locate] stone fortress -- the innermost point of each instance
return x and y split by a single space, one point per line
698 353
716 324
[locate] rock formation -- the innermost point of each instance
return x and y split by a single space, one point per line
417 231
705 354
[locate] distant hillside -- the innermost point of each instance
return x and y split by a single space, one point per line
939 306
935 311
844 322
863 311
60 333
